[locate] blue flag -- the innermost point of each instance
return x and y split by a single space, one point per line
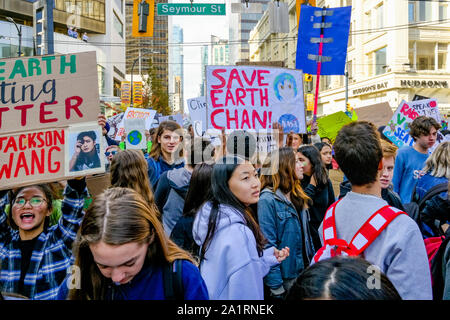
336 28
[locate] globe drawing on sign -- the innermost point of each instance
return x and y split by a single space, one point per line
134 137
289 123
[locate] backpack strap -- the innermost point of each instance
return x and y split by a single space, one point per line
372 228
173 280
363 238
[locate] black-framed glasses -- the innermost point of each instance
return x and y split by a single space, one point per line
34 202
107 153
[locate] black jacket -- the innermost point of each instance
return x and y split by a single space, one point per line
322 198
435 213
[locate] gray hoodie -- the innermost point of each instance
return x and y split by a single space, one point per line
399 250
172 188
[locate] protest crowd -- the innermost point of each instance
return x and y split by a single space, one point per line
149 208
200 217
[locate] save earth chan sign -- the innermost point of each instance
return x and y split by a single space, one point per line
254 97
48 118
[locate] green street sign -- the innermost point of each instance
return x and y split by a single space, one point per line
178 9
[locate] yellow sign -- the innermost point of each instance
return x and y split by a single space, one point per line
125 92
309 102
143 17
137 93
298 6
308 77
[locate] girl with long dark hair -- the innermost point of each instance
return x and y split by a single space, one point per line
317 186
182 232
326 154
233 260
284 218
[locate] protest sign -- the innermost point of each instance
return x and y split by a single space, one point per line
136 113
253 97
114 123
135 134
98 183
330 125
178 118
379 114
397 130
198 114
41 97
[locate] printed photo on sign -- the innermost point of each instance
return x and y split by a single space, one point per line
84 151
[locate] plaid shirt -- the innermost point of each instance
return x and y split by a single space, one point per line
52 253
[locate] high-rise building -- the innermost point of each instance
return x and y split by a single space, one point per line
240 25
148 48
101 20
204 62
220 51
176 66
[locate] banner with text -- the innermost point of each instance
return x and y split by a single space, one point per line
135 113
253 97
41 98
397 130
198 114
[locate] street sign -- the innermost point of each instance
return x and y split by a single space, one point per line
178 9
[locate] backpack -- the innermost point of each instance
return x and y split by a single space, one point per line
173 280
436 263
415 207
363 238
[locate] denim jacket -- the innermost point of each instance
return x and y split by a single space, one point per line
283 227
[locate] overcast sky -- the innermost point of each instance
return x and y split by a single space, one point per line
197 29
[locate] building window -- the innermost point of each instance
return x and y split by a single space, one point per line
425 55
101 79
442 56
412 11
350 70
442 11
380 61
425 11
350 36
380 16
118 25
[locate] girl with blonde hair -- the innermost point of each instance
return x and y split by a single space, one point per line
121 253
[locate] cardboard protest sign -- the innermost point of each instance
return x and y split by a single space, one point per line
136 113
178 118
397 130
330 125
379 114
253 97
98 183
40 99
135 134
198 114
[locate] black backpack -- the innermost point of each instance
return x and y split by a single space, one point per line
414 208
436 266
173 280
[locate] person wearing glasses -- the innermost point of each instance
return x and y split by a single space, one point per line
34 255
110 153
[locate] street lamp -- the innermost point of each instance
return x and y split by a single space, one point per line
19 32
132 68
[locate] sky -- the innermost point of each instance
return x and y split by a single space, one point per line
197 29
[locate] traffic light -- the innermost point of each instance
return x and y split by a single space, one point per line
143 16
308 77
